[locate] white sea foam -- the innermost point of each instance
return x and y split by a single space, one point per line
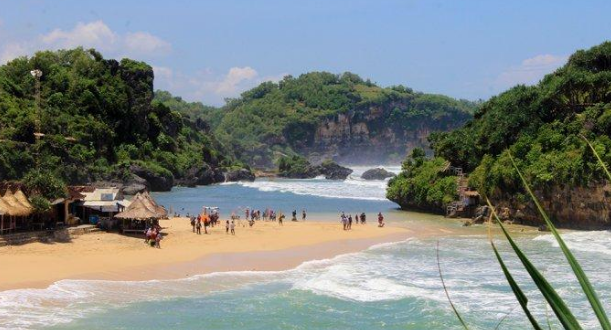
405 270
586 241
354 187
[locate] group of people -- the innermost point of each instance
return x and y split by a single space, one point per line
204 220
210 220
152 236
348 220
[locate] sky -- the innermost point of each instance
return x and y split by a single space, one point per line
211 50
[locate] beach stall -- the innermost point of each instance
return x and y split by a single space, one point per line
16 208
100 205
142 212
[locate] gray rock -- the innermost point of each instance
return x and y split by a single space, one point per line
377 174
154 181
239 175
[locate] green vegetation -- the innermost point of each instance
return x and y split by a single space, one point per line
295 167
98 117
275 119
541 126
423 184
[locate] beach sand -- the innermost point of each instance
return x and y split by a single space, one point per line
111 256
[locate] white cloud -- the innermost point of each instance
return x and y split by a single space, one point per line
530 71
236 76
90 35
146 43
11 51
94 34
207 86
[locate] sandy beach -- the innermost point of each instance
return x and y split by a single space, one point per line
111 256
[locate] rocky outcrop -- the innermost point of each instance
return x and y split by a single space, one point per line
300 168
239 175
333 171
568 207
377 174
154 181
135 185
201 176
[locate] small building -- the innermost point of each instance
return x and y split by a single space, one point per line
99 205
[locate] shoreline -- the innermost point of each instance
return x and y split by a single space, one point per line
110 256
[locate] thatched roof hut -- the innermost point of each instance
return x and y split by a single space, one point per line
11 206
143 206
15 206
138 210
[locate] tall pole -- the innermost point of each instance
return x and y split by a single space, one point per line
37 74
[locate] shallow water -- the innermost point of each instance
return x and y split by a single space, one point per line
390 286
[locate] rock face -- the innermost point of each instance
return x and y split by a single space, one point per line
368 135
377 174
568 207
239 175
154 181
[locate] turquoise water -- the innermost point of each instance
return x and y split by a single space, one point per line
389 286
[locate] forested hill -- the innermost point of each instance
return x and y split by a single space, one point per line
323 115
100 123
542 126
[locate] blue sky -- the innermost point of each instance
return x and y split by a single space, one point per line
208 50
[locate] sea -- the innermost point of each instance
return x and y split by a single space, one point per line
387 286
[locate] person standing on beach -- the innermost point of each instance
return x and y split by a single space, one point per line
232 228
380 220
303 215
344 220
350 222
227 227
193 223
363 218
158 240
280 218
198 226
294 215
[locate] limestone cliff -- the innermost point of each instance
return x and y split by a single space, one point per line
369 136
568 207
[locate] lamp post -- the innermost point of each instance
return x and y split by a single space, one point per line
37 74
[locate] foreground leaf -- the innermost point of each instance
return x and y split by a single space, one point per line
577 270
522 299
564 314
445 289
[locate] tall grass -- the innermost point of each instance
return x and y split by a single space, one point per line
556 303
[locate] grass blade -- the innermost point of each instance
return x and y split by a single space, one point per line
600 161
522 299
586 286
516 290
445 289
563 313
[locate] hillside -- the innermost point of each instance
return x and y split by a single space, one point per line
541 126
100 123
322 115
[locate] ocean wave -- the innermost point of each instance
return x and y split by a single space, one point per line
68 300
587 241
354 187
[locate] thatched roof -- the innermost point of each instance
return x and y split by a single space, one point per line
149 201
137 210
143 206
16 205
